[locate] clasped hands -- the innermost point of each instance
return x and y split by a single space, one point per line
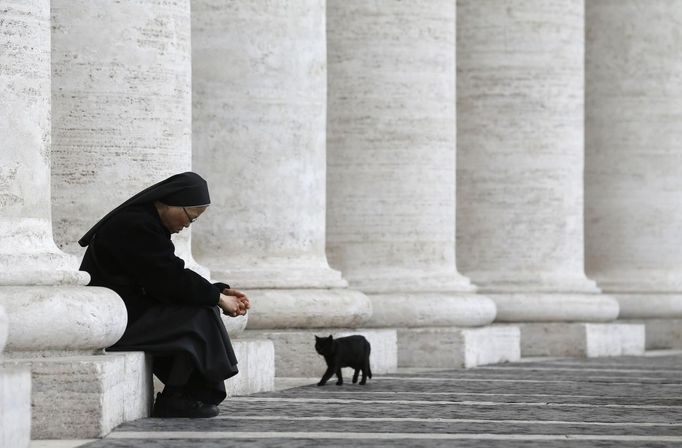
233 303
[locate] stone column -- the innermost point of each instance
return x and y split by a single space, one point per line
259 108
391 170
633 171
520 168
51 316
122 110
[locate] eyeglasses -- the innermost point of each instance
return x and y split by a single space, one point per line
191 220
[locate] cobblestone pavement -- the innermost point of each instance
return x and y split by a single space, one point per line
604 402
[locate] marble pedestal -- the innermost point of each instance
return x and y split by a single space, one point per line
458 347
77 391
660 333
295 354
256 367
659 312
581 339
86 396
568 324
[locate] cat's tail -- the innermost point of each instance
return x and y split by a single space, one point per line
369 370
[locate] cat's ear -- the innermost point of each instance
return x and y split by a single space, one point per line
330 337
317 338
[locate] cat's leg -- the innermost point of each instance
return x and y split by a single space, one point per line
338 375
328 374
355 376
365 372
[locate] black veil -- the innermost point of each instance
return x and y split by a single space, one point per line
186 189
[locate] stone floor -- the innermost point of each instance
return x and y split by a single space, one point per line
604 402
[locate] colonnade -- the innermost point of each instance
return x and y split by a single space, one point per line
422 168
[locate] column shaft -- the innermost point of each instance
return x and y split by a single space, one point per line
28 254
259 105
520 158
391 161
633 172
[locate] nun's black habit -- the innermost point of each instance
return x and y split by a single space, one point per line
172 312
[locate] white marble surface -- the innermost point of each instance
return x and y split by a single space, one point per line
259 108
581 339
28 254
553 307
391 145
61 318
259 104
256 364
458 347
15 406
427 309
305 308
633 175
95 393
121 105
520 145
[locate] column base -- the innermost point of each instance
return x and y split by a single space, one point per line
15 407
92 394
581 339
307 308
256 367
660 333
295 354
554 307
649 305
432 309
54 318
458 347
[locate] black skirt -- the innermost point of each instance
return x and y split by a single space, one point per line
194 333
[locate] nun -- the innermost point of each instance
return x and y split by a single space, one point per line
173 312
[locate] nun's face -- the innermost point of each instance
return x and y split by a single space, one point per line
177 218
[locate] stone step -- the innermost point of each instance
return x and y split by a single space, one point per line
456 347
581 339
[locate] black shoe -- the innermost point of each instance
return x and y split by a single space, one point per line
177 405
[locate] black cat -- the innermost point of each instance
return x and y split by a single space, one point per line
351 351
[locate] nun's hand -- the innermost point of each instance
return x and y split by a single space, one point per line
230 305
244 301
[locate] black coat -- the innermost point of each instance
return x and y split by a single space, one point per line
171 310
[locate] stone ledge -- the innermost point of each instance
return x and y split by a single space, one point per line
660 333
290 309
581 339
256 359
86 396
430 309
458 347
15 407
256 367
295 354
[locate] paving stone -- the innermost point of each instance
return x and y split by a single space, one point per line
615 402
